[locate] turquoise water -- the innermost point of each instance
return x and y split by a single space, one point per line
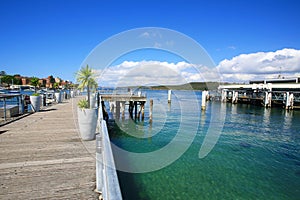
255 157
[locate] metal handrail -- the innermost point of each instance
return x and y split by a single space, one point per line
106 175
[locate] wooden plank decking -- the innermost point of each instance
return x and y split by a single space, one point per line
42 157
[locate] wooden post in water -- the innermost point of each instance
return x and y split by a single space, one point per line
130 109
268 99
112 107
139 112
224 96
117 110
123 109
235 96
203 102
143 110
287 100
169 96
291 101
135 109
150 110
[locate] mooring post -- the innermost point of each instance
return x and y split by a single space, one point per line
287 101
150 110
112 107
224 96
169 96
291 101
266 99
117 110
123 109
203 102
234 96
139 111
130 109
270 99
135 109
143 110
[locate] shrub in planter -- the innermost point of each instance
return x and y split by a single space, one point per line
87 120
35 100
87 115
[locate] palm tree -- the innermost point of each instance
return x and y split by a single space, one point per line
35 82
86 78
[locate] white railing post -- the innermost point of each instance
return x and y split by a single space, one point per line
106 176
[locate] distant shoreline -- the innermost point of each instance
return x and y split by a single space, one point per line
187 86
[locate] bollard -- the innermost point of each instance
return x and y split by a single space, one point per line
169 96
203 102
150 110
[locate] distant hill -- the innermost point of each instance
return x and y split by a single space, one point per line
189 86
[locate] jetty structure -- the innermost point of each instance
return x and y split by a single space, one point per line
118 102
280 92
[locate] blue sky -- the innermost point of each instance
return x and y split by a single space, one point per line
53 37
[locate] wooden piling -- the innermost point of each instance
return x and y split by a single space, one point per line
143 110
235 95
139 111
224 96
268 99
291 101
130 109
150 110
117 110
135 109
169 96
203 102
123 109
287 102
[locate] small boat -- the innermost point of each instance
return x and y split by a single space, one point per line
13 91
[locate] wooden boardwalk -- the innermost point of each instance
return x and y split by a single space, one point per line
42 157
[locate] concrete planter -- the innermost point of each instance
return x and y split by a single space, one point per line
58 97
36 103
87 120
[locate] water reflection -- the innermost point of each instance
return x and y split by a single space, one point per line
266 119
287 121
215 128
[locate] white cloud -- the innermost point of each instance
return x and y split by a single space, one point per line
242 68
261 65
232 47
131 73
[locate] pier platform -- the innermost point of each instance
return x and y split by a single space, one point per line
268 93
123 97
43 157
118 103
